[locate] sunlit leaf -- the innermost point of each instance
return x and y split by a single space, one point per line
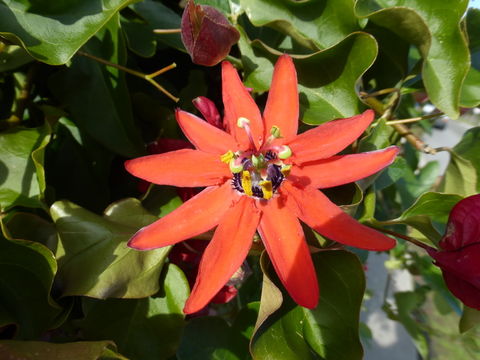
22 180
326 78
97 261
53 31
434 27
315 23
463 172
331 329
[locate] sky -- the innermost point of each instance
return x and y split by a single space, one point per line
475 3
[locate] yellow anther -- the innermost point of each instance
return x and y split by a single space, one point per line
229 155
267 189
247 183
241 122
286 170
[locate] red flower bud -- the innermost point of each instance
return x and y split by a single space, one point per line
459 254
207 34
208 110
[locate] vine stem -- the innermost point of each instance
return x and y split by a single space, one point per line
401 236
147 77
167 31
414 119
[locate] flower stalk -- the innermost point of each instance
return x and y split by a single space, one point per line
147 77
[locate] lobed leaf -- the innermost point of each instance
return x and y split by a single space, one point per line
52 32
96 260
331 329
434 27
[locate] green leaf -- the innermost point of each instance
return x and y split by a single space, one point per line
391 65
97 261
39 350
463 171
161 200
413 184
158 16
434 27
144 329
378 137
392 173
78 167
22 178
436 206
53 31
470 96
32 227
470 319
108 117
429 207
210 338
140 38
13 57
331 329
27 270
316 24
326 78
471 89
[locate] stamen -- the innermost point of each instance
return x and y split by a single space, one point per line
274 134
267 189
247 183
227 157
244 123
258 161
285 152
286 170
235 166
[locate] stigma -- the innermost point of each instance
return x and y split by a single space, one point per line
258 173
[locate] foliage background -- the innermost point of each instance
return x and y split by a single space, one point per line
69 285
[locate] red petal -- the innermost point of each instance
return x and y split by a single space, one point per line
465 291
225 253
285 243
318 212
461 271
203 135
342 169
330 138
238 103
463 224
282 103
463 263
198 215
189 168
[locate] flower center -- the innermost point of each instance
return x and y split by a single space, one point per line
258 174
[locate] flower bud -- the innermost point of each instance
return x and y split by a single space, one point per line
460 250
208 110
207 34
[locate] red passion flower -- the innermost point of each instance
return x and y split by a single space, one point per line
261 176
459 252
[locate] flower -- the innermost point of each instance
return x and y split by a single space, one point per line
459 253
260 175
207 34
